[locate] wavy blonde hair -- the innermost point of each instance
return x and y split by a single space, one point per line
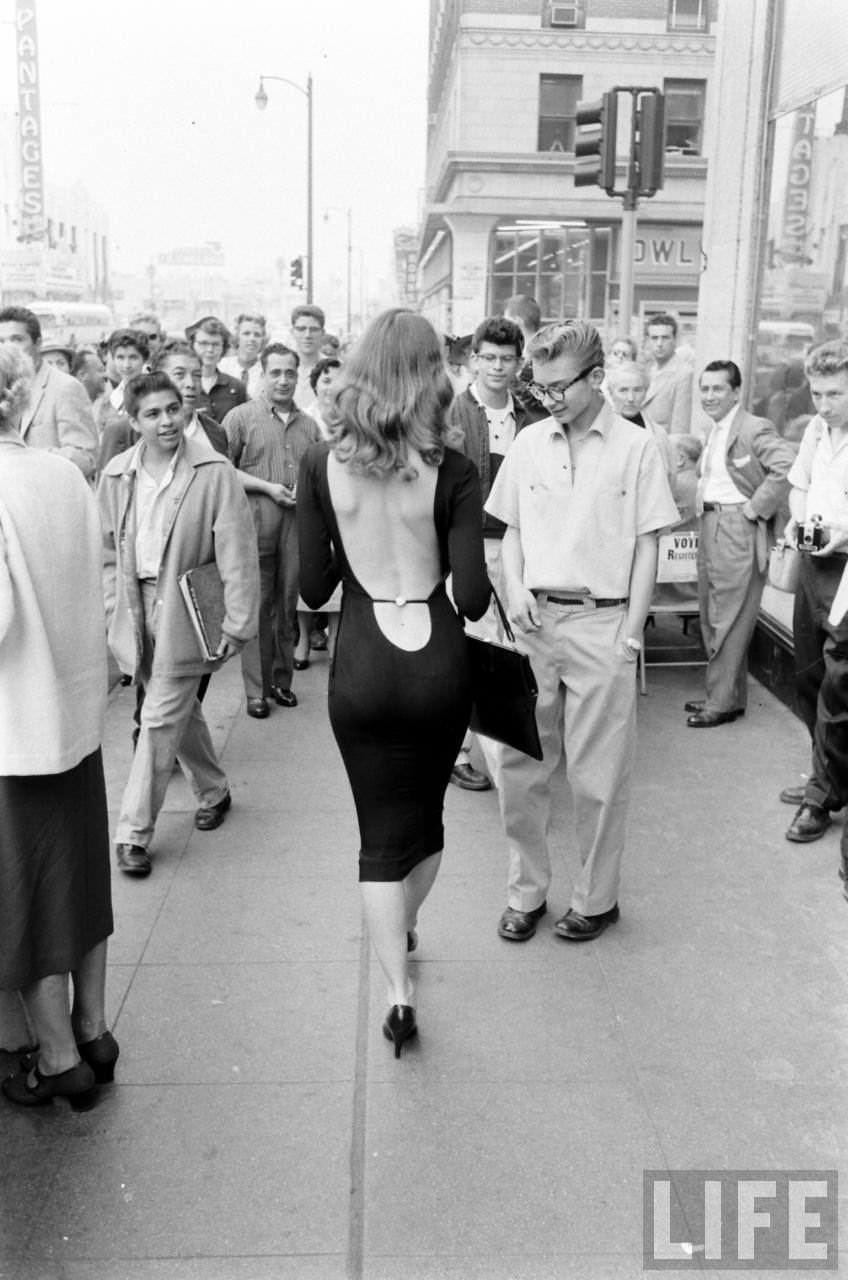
16 374
391 396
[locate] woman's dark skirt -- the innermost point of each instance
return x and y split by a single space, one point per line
55 886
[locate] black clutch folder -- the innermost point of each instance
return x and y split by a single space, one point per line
503 691
203 592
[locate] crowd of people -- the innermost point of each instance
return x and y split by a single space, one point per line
371 500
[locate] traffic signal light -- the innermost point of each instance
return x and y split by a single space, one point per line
650 148
296 273
594 146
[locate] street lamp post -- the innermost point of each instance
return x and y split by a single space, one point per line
262 102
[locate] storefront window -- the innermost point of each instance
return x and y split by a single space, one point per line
803 297
804 294
550 261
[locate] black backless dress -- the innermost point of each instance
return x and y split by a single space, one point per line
399 717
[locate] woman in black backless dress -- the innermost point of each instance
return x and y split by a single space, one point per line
387 507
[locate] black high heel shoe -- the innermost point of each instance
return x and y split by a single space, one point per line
400 1025
101 1054
77 1084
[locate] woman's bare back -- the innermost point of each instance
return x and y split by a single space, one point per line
389 537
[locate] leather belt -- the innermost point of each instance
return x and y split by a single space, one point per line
722 506
583 602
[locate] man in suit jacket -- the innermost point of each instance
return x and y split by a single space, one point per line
669 399
743 483
58 416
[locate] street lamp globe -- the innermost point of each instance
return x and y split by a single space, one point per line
261 98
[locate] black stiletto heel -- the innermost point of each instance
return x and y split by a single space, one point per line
400 1025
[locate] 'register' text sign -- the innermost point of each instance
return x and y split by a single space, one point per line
29 122
740 1219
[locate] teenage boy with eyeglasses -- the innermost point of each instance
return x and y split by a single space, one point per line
490 418
583 494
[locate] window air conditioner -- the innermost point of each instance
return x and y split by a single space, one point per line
564 15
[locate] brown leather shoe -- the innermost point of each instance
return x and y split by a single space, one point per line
209 817
577 928
518 926
469 778
709 719
133 860
283 697
810 822
258 708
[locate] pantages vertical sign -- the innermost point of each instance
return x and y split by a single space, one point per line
29 123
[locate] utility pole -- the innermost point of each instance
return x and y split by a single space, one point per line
595 161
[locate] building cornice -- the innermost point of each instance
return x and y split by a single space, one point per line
538 162
619 42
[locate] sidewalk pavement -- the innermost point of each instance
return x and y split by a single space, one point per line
259 1127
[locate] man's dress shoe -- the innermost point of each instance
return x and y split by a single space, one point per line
208 817
577 928
283 697
518 926
709 719
810 822
469 778
696 705
132 859
258 708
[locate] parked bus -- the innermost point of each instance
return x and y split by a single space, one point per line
73 324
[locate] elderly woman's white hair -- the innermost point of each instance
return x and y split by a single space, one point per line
16 374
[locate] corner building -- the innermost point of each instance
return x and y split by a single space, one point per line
775 278
502 214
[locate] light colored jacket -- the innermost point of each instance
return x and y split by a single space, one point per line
59 417
209 519
669 399
758 462
52 640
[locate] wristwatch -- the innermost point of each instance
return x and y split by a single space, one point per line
634 644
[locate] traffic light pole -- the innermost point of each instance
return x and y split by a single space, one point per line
627 246
595 164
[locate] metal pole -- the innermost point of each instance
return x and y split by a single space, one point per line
627 247
627 252
309 176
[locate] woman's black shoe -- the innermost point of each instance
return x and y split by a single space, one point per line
400 1025
101 1054
78 1085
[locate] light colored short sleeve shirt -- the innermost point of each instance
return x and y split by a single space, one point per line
579 512
822 473
150 514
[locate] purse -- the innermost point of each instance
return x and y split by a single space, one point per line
503 691
784 567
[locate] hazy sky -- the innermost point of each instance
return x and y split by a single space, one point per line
151 106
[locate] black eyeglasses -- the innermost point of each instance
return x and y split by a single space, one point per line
555 393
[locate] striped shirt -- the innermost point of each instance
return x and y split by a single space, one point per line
262 443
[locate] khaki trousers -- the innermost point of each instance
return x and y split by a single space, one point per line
586 709
730 587
172 727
